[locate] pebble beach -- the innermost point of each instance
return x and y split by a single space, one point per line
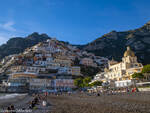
119 103
138 102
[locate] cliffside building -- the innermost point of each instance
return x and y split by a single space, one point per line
121 73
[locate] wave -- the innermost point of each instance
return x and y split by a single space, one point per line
8 96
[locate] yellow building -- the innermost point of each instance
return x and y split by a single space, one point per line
24 75
123 70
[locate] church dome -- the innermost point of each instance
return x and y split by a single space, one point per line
129 52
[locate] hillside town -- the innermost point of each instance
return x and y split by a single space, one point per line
47 66
53 66
74 56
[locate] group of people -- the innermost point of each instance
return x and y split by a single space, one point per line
37 100
116 91
10 109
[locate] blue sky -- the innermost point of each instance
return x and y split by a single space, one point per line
75 21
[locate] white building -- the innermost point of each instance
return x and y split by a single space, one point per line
39 84
64 70
35 69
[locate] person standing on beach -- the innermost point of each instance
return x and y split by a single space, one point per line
12 109
44 103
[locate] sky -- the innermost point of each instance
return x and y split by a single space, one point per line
75 21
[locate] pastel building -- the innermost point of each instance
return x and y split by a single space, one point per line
64 84
39 84
75 70
88 62
63 62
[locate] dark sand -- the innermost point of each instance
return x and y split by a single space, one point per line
81 103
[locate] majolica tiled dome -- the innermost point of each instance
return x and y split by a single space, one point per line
129 52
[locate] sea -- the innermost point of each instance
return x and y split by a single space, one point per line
9 95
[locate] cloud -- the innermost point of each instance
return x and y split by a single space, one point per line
7 30
8 26
4 38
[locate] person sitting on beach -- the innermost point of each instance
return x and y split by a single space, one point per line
8 110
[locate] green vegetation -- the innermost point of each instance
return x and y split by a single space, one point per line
146 69
97 83
79 82
86 81
89 71
138 75
145 74
82 82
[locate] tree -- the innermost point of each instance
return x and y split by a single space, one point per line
86 81
79 82
146 71
97 83
138 75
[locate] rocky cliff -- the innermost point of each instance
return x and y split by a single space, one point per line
114 44
19 44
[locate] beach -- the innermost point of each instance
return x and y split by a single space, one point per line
21 104
83 103
138 102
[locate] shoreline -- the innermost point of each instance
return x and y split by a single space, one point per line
13 100
22 104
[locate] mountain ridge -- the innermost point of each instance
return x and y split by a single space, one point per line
113 44
110 45
17 45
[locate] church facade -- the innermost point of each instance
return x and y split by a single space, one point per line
121 72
